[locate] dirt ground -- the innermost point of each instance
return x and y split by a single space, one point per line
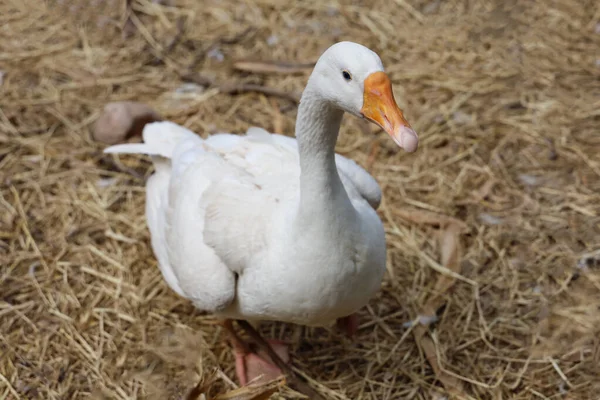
493 225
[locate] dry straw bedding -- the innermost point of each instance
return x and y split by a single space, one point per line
494 223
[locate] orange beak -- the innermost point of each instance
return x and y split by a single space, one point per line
379 106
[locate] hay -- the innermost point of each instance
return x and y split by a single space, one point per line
505 97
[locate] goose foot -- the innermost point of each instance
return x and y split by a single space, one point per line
256 365
349 324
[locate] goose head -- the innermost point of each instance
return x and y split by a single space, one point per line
351 77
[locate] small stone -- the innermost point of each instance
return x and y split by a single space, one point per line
490 219
122 120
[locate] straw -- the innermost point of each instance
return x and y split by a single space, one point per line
504 97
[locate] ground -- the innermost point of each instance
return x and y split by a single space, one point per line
503 191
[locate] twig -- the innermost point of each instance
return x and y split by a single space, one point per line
159 58
202 387
237 88
411 10
272 67
198 79
243 88
300 384
375 147
277 118
231 40
253 392
128 25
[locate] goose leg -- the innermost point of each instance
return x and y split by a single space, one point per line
348 324
276 358
250 364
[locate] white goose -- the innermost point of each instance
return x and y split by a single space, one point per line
266 227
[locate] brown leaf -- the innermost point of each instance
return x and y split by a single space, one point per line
450 258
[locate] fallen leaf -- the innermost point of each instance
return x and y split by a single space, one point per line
450 250
450 258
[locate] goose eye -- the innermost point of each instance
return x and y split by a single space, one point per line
346 75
